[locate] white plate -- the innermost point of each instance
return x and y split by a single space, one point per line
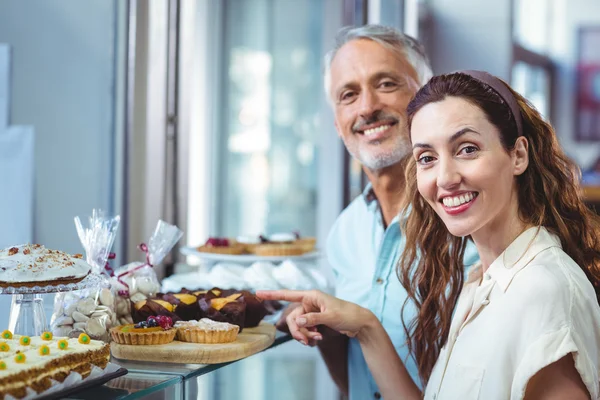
246 258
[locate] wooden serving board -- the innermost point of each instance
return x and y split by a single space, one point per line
250 341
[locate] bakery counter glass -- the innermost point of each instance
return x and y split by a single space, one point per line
192 381
136 385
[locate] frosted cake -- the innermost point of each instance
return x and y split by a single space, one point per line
34 265
32 361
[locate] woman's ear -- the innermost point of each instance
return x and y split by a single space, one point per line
520 155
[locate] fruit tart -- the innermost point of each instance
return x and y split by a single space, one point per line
155 330
221 246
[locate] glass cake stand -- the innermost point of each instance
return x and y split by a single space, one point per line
27 315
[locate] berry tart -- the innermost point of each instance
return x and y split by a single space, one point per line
222 246
155 330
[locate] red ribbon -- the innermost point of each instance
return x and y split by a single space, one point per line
107 267
125 293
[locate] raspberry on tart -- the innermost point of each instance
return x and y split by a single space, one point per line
221 246
155 330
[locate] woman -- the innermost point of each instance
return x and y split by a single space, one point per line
487 168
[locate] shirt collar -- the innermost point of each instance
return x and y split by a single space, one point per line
517 256
369 197
369 194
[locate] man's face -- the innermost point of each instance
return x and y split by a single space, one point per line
371 87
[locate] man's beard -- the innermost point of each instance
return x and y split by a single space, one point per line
374 160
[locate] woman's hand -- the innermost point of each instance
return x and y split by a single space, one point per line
317 308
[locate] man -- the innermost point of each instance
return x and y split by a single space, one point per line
370 77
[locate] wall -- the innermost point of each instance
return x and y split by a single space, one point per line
569 17
63 85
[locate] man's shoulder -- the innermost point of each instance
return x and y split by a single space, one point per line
356 214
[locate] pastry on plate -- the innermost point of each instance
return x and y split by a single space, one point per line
221 246
279 244
153 331
249 242
206 331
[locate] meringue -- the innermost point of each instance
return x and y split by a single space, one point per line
291 277
259 276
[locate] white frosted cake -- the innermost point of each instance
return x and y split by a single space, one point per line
34 265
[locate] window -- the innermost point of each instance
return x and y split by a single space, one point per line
532 70
532 22
270 116
533 83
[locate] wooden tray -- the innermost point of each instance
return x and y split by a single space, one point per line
250 341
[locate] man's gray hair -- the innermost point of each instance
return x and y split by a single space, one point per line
410 48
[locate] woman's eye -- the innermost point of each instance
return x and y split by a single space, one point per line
468 150
424 160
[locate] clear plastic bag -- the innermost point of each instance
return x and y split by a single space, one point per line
137 281
91 310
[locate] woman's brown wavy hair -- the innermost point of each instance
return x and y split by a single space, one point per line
431 268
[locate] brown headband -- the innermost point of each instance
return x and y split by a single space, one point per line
502 90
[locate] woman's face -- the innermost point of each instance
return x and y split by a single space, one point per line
463 171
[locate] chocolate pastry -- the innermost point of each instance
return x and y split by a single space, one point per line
141 310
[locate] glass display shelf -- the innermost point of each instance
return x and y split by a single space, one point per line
160 380
136 385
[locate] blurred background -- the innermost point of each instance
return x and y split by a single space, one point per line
211 115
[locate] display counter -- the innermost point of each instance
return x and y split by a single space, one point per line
175 381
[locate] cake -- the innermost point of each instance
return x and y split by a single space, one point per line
144 309
34 265
156 330
33 361
236 307
206 331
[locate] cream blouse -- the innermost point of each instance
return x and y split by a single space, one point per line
516 319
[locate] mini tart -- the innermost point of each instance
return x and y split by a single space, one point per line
279 249
206 331
249 243
307 243
233 248
127 334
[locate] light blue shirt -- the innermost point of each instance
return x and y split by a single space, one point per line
364 256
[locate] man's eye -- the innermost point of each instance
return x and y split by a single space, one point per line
347 96
388 84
